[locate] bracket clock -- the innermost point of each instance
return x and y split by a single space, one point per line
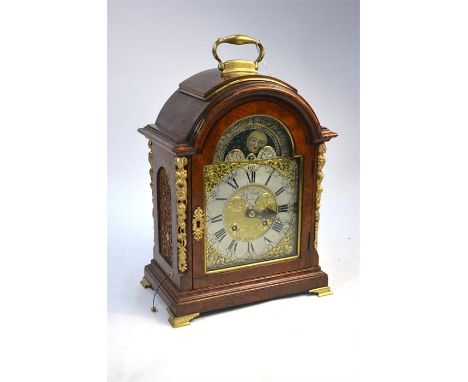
236 162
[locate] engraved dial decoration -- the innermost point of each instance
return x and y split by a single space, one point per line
254 137
251 212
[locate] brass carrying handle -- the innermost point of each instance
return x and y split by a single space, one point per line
238 39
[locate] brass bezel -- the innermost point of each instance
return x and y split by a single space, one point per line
300 186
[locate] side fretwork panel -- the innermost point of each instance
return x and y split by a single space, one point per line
171 189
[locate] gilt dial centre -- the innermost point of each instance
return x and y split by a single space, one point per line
249 212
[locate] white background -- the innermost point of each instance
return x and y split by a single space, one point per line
413 208
152 48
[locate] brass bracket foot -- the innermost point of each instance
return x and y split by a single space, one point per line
145 283
177 322
323 291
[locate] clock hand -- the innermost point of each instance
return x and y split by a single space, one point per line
267 213
264 214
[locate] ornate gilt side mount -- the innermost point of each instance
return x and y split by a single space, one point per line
181 194
321 162
150 160
198 224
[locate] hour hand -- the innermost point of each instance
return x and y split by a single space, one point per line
266 213
263 214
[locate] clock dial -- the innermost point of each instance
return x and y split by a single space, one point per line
254 137
251 212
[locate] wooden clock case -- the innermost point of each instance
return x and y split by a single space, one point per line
189 126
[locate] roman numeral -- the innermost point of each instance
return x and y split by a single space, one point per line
250 247
279 191
234 184
233 245
220 235
251 176
268 240
221 199
277 226
283 208
217 218
268 178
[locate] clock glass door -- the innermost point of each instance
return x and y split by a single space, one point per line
248 182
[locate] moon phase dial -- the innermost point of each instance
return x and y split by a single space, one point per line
254 137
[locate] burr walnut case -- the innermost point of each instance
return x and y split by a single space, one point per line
236 162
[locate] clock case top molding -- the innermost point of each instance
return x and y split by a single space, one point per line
189 125
189 114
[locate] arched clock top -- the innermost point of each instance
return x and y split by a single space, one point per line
208 95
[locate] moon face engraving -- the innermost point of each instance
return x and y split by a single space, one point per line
256 140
